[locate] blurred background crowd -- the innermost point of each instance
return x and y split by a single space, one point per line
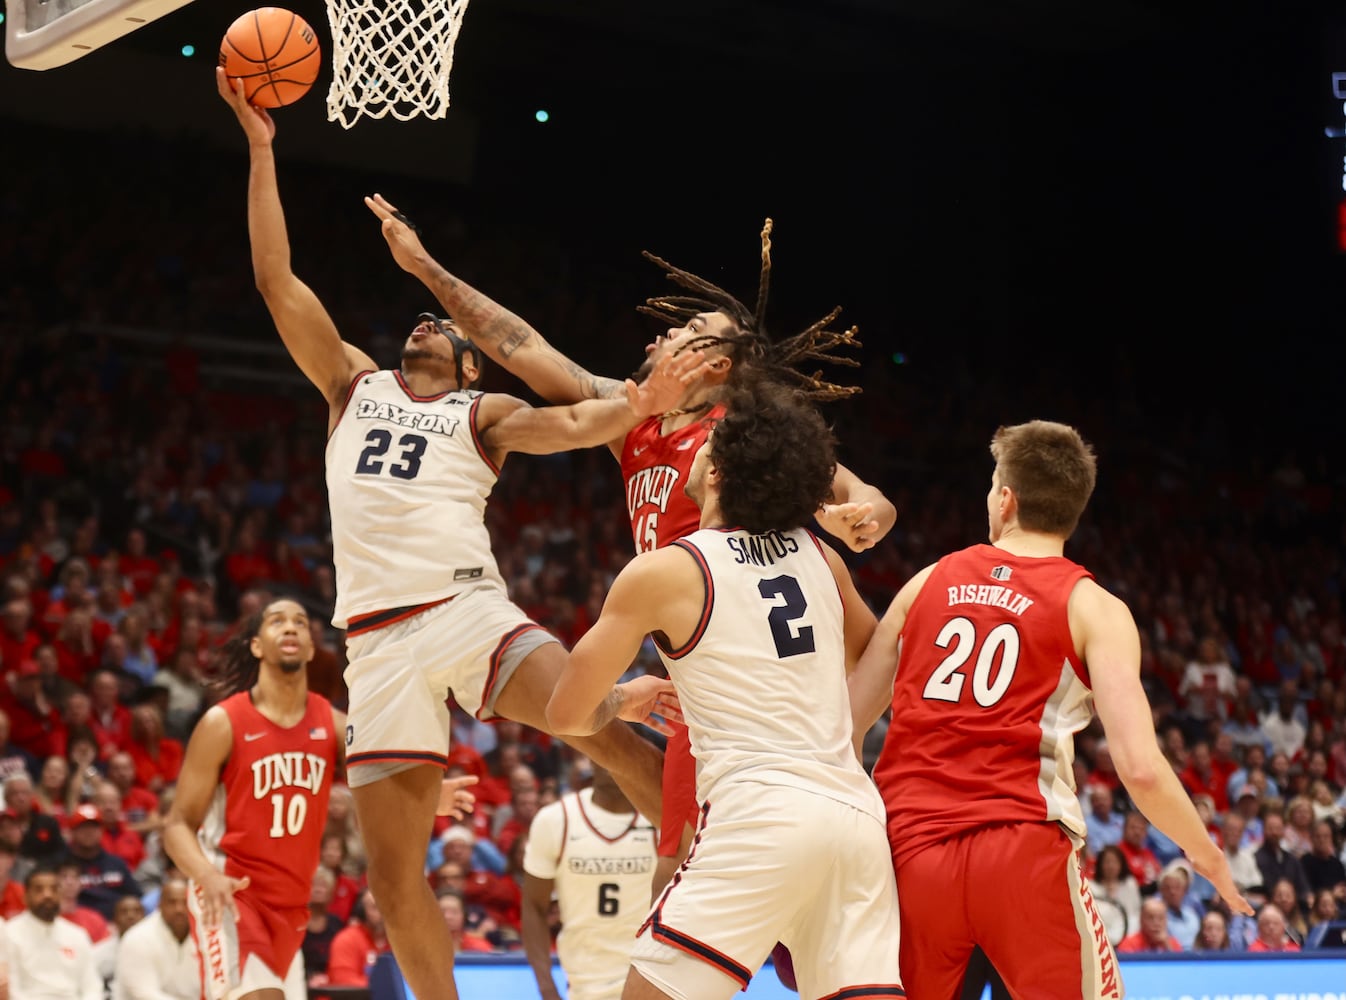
161 477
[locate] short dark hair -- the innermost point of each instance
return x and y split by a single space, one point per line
41 868
775 456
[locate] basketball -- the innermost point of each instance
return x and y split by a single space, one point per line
274 52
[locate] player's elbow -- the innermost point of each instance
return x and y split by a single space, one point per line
1139 773
565 718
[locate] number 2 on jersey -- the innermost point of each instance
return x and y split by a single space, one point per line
788 641
377 443
946 683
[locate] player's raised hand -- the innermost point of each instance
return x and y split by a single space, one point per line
403 238
650 700
217 897
1220 876
454 798
851 523
667 383
256 122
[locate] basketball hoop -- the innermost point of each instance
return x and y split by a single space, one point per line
391 57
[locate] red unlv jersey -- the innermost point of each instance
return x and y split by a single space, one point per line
988 697
655 468
270 807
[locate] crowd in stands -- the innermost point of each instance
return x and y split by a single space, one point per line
147 507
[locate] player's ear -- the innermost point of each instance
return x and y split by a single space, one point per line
255 647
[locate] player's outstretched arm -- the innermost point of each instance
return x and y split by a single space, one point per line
1106 637
304 325
207 751
507 424
859 514
649 596
507 339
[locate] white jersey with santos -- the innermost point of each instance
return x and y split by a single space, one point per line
407 482
601 864
762 680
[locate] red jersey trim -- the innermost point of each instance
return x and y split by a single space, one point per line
565 829
412 396
398 757
885 991
360 624
350 391
677 875
496 656
707 603
476 437
599 833
699 949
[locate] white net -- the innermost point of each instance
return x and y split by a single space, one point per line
391 57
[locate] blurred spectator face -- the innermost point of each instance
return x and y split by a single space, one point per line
1154 921
452 909
67 885
78 709
1100 800
522 779
1135 829
121 771
1324 907
146 727
129 911
1273 827
1321 839
333 852
17 614
86 839
324 884
1214 930
1284 896
1231 830
55 773
1224 747
47 663
19 795
373 915
108 801
451 875
1201 756
173 906
1172 889
458 850
42 896
1254 755
1271 926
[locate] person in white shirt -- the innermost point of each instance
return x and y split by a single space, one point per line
49 958
128 912
157 959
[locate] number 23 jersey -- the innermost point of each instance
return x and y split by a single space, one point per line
988 696
407 482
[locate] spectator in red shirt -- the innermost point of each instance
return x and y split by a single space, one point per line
1142 861
35 723
357 945
1271 933
139 806
118 838
454 909
1153 934
345 888
109 719
11 892
77 649
158 758
137 565
18 637
14 759
1200 777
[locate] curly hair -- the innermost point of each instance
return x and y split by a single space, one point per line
775 455
748 344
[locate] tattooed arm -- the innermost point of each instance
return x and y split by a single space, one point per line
505 338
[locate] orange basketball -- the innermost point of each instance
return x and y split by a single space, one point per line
274 52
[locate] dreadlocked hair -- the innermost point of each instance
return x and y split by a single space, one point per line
749 343
235 668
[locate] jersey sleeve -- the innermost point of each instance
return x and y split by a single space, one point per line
542 855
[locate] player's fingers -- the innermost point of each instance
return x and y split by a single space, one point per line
239 884
659 725
377 209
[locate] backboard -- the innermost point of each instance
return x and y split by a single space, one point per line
41 34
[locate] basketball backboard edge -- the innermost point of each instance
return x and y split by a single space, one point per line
34 39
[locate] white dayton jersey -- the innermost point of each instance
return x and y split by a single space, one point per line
762 681
407 482
601 863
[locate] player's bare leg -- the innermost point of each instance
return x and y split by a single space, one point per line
639 988
635 764
665 867
397 815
